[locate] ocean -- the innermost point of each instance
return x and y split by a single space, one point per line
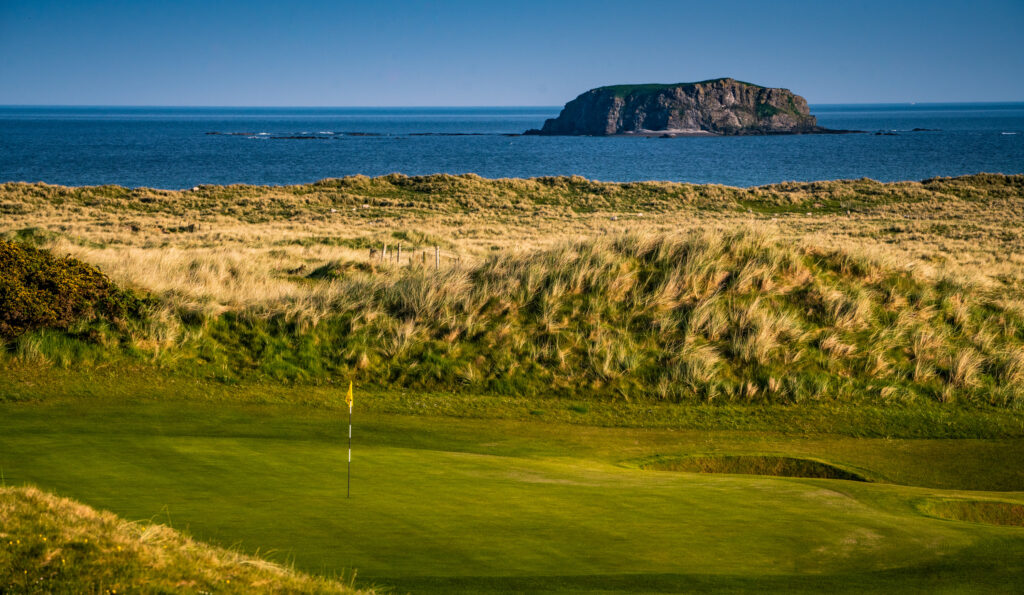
176 148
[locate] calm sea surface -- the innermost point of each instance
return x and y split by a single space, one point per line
173 147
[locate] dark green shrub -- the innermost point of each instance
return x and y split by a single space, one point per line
39 290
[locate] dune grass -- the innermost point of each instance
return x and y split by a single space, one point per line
901 292
50 544
243 246
718 317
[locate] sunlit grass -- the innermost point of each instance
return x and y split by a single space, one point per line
53 544
535 288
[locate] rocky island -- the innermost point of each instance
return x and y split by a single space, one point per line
722 106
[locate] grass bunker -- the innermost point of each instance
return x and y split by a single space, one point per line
752 465
988 512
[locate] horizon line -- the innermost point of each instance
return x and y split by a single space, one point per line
226 106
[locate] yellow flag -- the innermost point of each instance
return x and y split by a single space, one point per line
348 397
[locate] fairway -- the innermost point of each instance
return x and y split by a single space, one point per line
485 505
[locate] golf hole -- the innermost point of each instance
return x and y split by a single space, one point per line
989 512
752 465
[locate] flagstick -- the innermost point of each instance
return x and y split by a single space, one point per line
348 488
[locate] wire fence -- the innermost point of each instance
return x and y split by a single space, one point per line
428 257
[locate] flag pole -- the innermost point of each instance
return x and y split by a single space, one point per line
348 488
348 473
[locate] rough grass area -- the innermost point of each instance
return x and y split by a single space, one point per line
716 317
394 194
842 291
989 512
753 465
56 545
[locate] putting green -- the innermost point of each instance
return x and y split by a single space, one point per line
483 505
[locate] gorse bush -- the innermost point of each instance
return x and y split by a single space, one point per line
41 291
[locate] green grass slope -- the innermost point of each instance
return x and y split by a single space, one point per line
56 545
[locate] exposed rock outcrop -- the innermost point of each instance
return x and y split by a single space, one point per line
717 107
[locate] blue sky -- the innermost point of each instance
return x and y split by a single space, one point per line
388 53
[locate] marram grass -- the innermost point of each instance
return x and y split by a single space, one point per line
714 317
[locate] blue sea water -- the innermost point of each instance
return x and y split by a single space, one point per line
172 148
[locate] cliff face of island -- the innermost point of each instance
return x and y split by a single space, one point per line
717 107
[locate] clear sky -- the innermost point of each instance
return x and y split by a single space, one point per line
390 53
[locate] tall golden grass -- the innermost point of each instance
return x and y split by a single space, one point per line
791 291
241 247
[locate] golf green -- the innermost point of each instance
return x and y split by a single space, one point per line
487 505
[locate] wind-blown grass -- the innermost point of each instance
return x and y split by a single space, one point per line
737 317
230 247
791 292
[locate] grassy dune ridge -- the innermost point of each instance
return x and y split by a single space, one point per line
452 193
56 545
740 313
734 317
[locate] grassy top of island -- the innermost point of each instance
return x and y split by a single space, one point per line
642 89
